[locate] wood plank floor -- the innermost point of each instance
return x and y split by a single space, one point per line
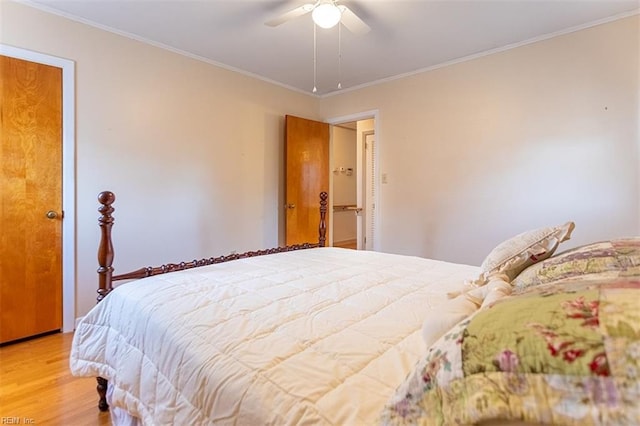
37 387
350 244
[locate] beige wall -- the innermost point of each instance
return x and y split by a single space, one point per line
193 152
474 152
534 136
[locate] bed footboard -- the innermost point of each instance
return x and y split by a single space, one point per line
106 255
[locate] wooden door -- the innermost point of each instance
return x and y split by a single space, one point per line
307 174
30 187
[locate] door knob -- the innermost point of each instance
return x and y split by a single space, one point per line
51 214
290 206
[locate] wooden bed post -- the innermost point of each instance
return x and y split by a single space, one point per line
105 271
102 394
322 228
105 249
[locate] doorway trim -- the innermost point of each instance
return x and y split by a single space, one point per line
368 151
68 175
365 115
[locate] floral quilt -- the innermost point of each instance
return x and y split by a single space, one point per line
605 259
563 353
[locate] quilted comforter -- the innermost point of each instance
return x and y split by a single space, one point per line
319 336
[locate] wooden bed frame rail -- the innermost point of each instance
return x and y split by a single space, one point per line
106 255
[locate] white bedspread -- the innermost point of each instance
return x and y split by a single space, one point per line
319 336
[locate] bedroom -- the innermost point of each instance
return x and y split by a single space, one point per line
468 192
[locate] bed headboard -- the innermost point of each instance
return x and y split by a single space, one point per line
106 252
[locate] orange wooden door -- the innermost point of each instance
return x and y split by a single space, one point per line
307 174
30 187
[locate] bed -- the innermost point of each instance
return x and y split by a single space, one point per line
322 335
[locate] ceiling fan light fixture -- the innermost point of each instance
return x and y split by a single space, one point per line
326 15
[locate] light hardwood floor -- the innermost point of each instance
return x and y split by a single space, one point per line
350 244
37 387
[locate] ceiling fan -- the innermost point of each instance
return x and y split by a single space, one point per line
326 14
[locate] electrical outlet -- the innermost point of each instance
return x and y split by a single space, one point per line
384 178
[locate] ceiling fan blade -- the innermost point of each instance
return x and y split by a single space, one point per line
292 14
352 22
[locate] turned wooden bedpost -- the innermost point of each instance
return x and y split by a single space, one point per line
102 393
105 271
322 229
105 250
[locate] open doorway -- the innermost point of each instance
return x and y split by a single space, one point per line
353 184
344 185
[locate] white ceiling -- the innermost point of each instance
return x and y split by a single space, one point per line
406 36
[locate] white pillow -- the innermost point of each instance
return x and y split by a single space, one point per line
515 254
442 318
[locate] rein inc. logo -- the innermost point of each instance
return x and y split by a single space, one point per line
17 421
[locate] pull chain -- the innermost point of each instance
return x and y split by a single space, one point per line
315 55
339 55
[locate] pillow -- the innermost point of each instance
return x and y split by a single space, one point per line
606 259
564 353
443 317
515 254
